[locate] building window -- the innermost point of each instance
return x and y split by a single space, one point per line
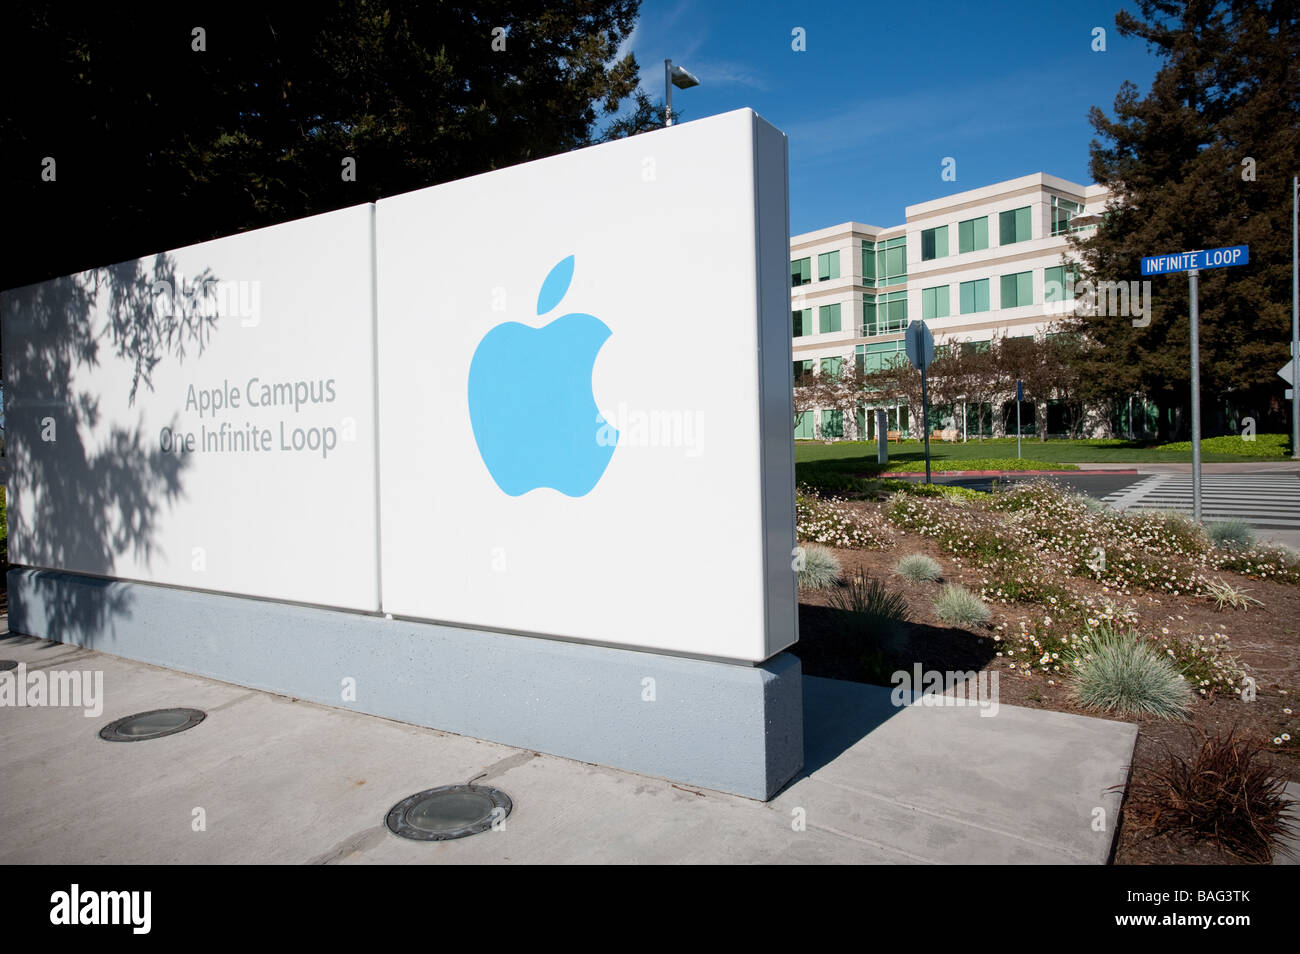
934 243
1057 284
832 366
800 272
975 347
832 423
1017 289
934 302
974 296
803 427
891 261
869 264
828 318
878 355
1015 226
1062 211
973 234
802 322
828 266
801 370
884 314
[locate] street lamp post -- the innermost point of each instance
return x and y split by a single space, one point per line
675 76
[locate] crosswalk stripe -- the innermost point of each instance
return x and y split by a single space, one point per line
1262 499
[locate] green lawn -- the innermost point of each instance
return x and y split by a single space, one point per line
849 454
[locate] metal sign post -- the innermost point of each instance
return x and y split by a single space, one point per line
1192 263
1020 396
920 351
1192 290
882 437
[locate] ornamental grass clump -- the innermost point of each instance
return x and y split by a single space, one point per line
1231 534
870 607
1119 671
1225 594
1226 793
919 568
958 606
818 568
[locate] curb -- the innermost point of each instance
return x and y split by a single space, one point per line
1011 473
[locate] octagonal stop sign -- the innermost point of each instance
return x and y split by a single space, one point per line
920 345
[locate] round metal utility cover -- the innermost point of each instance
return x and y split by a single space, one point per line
151 725
6 664
451 811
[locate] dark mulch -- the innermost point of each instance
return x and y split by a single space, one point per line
1265 639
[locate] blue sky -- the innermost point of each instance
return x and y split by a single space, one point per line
885 91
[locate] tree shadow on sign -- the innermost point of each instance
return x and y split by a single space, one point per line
81 494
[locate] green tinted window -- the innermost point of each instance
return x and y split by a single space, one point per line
1056 284
832 366
802 322
891 261
828 266
1063 210
1017 290
832 423
879 354
828 318
934 302
934 243
1015 226
868 263
800 272
973 234
974 296
803 428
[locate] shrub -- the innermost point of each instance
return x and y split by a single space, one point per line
1167 531
870 605
820 568
958 606
1119 670
832 521
1226 793
1268 562
919 568
1231 534
1264 445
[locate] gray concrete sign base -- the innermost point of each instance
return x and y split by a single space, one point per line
731 728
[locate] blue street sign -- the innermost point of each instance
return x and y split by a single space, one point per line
1205 258
1020 390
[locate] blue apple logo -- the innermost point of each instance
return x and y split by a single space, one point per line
530 399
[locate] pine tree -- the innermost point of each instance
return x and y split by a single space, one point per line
1205 159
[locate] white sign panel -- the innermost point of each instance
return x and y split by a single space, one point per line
204 417
584 368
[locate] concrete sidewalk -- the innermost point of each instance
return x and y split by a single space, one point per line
282 781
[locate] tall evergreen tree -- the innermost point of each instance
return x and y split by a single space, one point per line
162 137
1204 159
